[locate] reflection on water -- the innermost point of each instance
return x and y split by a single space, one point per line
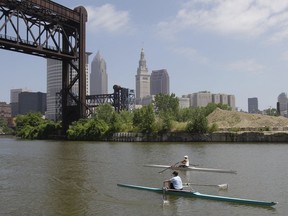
80 178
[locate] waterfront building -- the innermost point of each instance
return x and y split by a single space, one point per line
253 105
32 102
216 98
232 102
203 98
54 85
98 76
224 99
159 82
200 99
283 102
142 79
184 102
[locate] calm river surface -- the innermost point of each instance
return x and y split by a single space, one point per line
80 178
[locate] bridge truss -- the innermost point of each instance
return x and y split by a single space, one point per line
47 29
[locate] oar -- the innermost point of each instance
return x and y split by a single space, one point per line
164 193
220 186
168 167
194 165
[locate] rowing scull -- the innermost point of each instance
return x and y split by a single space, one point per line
191 168
200 195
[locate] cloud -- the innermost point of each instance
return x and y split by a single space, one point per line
190 54
246 66
284 56
239 17
107 18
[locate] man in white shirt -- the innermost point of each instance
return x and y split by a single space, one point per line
175 182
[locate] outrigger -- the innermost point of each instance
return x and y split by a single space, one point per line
200 195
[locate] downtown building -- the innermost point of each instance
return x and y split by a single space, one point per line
147 86
159 82
54 85
253 105
32 102
142 80
282 104
14 100
98 76
203 98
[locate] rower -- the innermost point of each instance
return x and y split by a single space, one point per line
185 162
174 183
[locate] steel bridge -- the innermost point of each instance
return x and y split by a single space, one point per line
50 30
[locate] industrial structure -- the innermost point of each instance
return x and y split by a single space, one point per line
50 30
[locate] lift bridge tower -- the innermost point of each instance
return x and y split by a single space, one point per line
50 30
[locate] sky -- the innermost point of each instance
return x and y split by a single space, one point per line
237 47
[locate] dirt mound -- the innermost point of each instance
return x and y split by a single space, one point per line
231 119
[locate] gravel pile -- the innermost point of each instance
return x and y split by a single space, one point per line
231 119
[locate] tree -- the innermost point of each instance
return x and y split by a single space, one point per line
88 129
33 126
185 114
144 119
104 112
199 123
4 127
166 123
166 104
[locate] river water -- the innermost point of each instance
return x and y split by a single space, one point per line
80 178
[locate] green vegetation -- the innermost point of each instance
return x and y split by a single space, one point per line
4 129
33 126
163 115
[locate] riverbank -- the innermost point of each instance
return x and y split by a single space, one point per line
243 136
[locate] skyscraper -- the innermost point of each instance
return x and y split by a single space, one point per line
98 76
54 85
283 102
253 105
142 79
159 82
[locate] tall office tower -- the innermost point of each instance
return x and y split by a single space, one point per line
159 82
253 105
14 100
142 79
54 85
98 76
283 102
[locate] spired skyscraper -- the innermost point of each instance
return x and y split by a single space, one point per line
159 81
142 79
98 76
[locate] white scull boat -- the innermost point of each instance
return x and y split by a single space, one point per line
191 168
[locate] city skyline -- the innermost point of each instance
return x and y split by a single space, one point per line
234 48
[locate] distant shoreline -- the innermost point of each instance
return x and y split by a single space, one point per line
243 136
230 137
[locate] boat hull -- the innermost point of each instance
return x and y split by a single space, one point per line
191 168
200 195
